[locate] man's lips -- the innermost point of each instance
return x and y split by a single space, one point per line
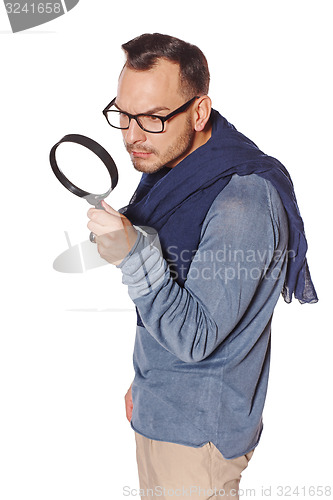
141 154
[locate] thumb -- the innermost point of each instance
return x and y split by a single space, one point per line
109 209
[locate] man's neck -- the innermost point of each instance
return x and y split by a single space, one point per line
200 138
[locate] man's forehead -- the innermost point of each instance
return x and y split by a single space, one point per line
157 87
161 68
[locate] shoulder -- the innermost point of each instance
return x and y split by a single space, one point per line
248 200
248 191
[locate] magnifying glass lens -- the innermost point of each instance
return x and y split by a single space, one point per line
83 168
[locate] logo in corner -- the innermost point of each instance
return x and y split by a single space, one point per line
25 15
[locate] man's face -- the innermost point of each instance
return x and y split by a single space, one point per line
155 91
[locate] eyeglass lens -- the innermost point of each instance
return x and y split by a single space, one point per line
120 120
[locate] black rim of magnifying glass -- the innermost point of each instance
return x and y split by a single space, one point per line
95 148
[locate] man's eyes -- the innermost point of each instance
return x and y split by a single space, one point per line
153 118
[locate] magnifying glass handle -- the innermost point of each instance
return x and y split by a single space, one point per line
97 204
96 200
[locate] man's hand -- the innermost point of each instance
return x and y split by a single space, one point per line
129 404
115 235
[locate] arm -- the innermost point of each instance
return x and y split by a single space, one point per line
236 248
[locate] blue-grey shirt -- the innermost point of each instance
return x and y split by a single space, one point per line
202 359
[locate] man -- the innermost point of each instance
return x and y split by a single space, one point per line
217 237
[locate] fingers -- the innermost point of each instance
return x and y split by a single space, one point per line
97 229
107 208
115 235
107 221
101 215
129 404
129 411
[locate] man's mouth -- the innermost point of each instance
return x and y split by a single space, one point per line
140 154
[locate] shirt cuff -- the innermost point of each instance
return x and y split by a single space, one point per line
144 268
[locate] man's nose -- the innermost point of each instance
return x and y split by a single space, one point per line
134 133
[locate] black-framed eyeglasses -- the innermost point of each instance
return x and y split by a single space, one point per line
153 124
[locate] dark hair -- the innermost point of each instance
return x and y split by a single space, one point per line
144 51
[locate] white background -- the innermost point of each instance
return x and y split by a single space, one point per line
67 339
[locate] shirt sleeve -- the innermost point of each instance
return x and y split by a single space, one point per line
240 247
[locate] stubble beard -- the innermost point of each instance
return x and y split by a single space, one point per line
178 150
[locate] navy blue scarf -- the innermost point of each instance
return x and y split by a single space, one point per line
175 202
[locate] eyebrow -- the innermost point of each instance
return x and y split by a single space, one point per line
156 110
149 112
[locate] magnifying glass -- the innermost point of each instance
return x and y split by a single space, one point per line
78 162
74 163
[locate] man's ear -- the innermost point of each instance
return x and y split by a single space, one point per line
202 112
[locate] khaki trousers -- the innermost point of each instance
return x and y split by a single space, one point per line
168 470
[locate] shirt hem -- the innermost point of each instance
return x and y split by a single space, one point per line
183 443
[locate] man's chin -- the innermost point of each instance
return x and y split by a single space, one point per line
144 167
